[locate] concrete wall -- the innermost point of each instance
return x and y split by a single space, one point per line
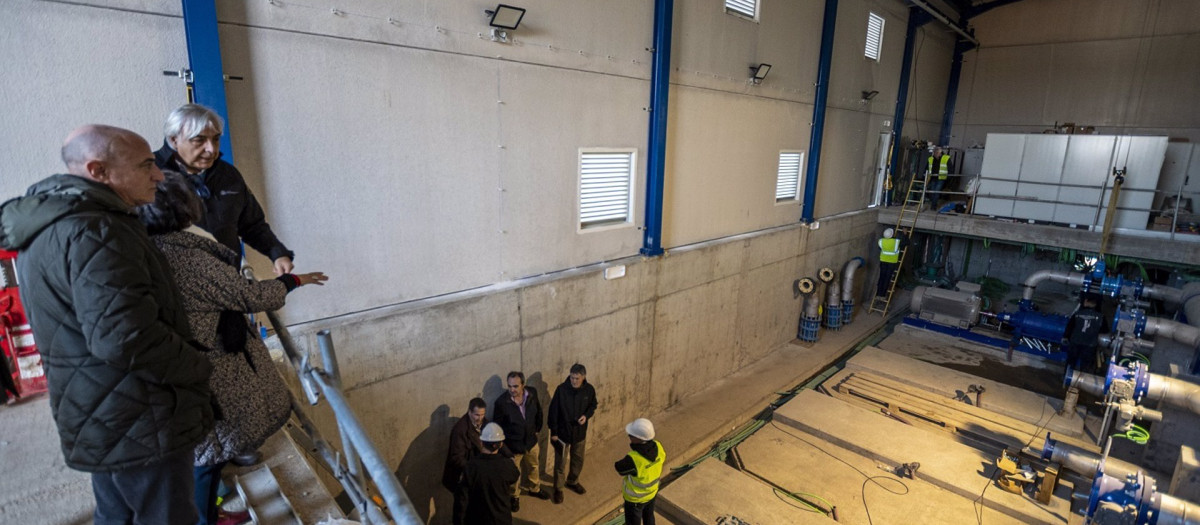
414 158
1123 67
668 329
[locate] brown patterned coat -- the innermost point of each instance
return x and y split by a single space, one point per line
253 400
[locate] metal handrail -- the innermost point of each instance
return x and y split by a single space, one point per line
358 449
355 440
1178 194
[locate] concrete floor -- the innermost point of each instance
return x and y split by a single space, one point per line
840 454
37 486
689 430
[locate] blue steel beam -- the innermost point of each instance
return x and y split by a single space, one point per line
818 124
656 151
960 48
204 56
916 19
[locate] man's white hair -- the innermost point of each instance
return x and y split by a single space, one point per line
191 120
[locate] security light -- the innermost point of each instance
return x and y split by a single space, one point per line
759 72
505 16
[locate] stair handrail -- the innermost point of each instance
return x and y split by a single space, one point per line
326 382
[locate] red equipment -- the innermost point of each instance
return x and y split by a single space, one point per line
17 347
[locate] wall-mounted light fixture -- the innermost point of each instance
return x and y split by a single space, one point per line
759 72
504 18
868 95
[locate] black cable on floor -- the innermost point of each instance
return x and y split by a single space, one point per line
875 480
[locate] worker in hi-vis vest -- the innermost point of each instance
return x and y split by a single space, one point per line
889 259
936 173
641 468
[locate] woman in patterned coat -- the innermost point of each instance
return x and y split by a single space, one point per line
250 397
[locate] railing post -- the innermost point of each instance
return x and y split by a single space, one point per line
333 372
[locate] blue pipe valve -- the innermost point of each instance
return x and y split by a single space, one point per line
1131 321
1134 500
1127 382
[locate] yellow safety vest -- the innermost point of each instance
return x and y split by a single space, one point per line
943 168
889 250
643 486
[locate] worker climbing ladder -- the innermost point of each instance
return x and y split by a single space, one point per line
905 223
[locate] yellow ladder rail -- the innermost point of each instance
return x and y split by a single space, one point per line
905 223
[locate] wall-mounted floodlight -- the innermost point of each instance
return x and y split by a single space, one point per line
505 16
759 72
868 95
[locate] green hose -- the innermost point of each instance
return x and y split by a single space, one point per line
795 496
1136 434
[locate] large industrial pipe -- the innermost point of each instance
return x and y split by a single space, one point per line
1174 392
1092 384
810 316
1084 462
848 279
1068 278
833 294
833 305
1187 335
1190 297
848 272
812 305
1167 294
1164 389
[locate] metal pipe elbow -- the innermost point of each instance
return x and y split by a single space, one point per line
848 272
1031 282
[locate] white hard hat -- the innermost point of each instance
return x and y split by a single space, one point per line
641 428
889 233
492 433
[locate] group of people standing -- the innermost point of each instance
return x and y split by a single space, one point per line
130 265
130 274
490 464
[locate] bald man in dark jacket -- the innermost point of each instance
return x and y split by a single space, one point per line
129 393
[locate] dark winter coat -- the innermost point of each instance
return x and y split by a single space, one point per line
489 479
231 211
568 404
252 398
126 387
464 445
520 433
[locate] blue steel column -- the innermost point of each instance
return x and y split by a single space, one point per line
818 125
902 95
660 86
204 55
960 48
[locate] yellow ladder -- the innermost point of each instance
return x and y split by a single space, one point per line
905 223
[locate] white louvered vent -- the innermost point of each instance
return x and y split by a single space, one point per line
605 187
746 8
874 36
787 183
